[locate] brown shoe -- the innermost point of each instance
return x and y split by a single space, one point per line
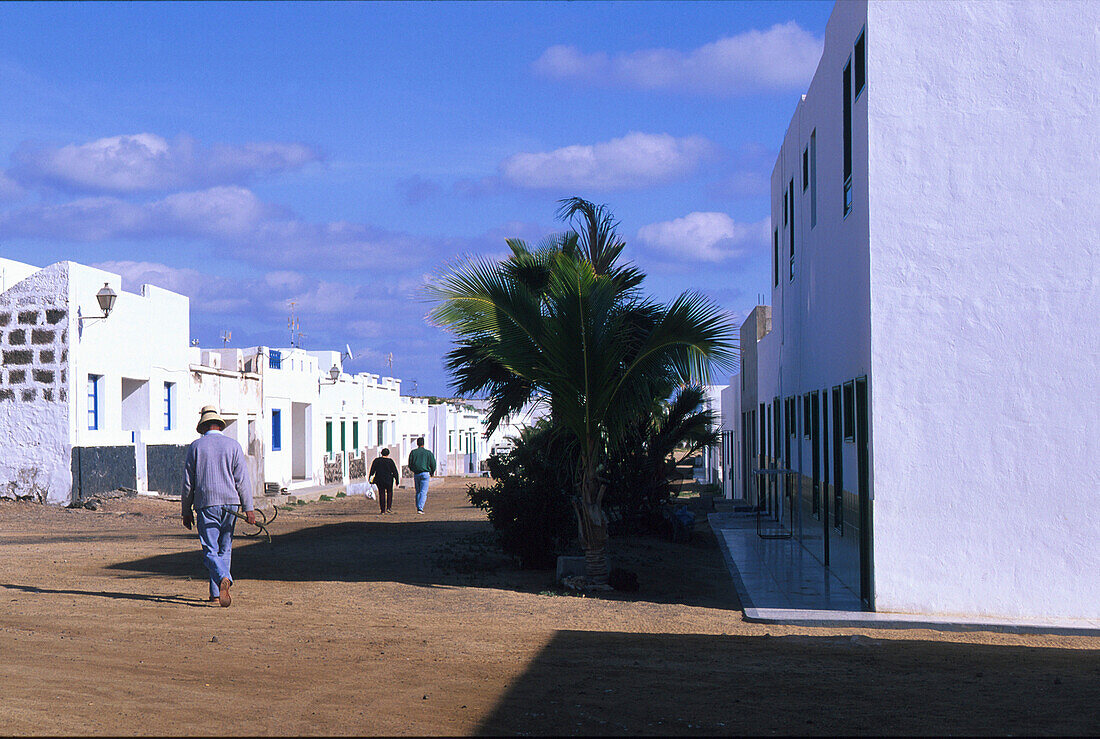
212 601
224 598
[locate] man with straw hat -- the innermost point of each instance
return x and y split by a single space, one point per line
215 484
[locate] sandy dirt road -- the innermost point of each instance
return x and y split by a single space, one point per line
356 623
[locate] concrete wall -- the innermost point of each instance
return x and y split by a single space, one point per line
34 392
985 292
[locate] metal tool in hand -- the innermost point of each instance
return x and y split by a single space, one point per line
261 522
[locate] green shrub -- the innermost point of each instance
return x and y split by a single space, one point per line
341 495
530 505
325 497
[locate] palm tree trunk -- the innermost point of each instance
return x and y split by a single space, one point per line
593 525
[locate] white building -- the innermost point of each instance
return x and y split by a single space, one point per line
457 438
81 394
90 403
928 363
730 420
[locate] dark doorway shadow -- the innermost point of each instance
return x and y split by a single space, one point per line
151 598
621 683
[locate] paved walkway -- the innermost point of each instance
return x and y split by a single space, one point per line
780 582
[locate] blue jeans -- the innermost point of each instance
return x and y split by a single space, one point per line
215 525
420 479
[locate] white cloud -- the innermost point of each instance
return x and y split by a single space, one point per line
147 162
706 237
781 58
9 188
331 313
231 217
635 160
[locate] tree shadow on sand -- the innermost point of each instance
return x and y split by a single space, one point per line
424 553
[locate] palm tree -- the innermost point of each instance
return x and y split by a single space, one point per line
645 463
565 324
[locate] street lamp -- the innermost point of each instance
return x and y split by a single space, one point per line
106 298
333 374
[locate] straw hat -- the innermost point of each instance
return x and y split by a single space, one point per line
206 415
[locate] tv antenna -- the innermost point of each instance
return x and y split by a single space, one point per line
389 360
414 386
226 336
294 326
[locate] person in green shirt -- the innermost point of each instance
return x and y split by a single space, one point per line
422 466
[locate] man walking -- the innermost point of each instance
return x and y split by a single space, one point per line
216 484
422 465
383 473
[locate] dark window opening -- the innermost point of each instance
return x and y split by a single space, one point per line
848 137
838 464
328 437
790 191
813 178
849 412
861 62
775 257
813 414
806 403
805 168
276 430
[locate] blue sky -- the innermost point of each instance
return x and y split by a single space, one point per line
338 155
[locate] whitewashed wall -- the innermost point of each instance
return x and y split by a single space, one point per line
35 441
145 340
985 293
293 390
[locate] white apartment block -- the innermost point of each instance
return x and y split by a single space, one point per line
928 364
91 403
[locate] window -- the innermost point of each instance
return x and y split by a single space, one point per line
274 359
354 434
813 178
168 388
786 209
343 436
775 257
848 137
861 62
276 430
790 191
93 401
328 437
849 411
805 168
381 432
806 415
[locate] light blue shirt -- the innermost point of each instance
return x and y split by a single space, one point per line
215 473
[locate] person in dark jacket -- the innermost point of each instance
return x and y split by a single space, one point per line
383 473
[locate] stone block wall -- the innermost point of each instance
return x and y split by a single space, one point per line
34 404
357 467
33 347
334 469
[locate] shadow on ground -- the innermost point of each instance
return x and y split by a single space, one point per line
176 599
445 553
619 683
